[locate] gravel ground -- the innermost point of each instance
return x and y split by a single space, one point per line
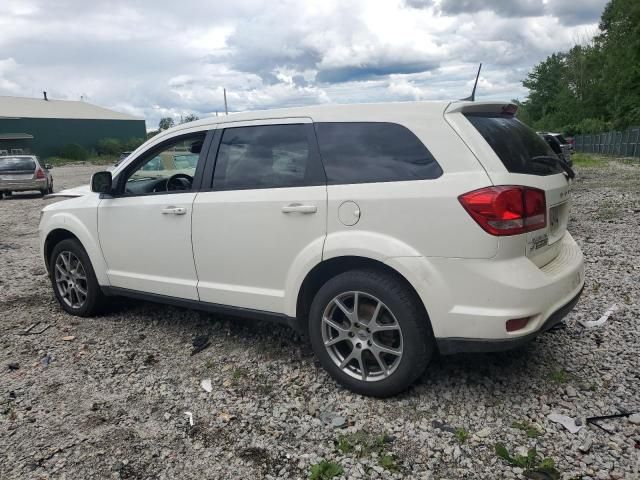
106 397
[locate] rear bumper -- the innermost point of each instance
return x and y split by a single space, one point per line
22 185
469 301
450 346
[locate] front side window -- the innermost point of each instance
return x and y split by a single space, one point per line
264 156
364 152
170 168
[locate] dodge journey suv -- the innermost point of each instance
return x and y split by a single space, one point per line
385 232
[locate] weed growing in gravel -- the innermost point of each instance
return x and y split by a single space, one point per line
527 427
559 376
462 435
532 463
239 373
388 462
325 470
361 443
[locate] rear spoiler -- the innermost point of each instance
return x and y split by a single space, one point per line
499 108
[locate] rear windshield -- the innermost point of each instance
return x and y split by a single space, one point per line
520 149
8 164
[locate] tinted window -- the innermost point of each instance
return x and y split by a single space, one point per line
8 164
373 152
520 149
266 156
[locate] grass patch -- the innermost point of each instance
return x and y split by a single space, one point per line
527 427
559 376
97 160
588 160
462 435
532 463
325 471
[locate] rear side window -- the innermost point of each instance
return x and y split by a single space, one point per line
520 149
17 164
357 152
265 156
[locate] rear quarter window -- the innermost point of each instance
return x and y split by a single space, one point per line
367 152
518 147
17 164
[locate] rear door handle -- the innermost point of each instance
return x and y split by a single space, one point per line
174 211
299 208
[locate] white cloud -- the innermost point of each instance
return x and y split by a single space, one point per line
158 58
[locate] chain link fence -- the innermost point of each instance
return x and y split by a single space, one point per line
621 144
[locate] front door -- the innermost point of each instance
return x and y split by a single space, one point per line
264 217
145 229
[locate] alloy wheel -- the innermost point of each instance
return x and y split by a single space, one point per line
71 279
362 336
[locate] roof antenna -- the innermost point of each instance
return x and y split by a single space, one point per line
45 96
226 110
472 97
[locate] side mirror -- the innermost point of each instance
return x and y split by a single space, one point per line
48 166
101 182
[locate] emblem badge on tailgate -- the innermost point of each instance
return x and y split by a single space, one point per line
538 241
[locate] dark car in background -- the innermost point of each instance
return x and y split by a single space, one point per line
559 145
19 173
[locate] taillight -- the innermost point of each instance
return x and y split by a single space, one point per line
39 173
507 209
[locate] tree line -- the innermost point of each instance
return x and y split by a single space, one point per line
595 86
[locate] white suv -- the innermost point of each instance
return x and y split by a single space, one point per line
386 232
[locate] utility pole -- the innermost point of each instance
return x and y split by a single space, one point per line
226 110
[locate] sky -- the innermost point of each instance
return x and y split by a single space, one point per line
159 58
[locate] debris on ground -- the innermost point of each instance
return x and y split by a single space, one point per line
596 323
30 329
336 421
442 426
46 360
594 420
567 422
206 385
200 343
13 366
190 417
69 338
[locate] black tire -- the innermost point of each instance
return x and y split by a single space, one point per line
1 195
402 303
43 192
95 299
50 189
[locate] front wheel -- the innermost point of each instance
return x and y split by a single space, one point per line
370 332
73 279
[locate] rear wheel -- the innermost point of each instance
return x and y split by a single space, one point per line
370 332
73 279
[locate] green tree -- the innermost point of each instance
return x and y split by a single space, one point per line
166 123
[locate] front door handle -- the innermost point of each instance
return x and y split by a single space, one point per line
174 211
299 208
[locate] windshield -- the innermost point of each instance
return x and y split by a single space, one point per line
518 147
17 164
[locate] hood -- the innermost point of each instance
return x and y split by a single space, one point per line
80 191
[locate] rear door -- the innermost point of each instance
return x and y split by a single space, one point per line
264 216
514 154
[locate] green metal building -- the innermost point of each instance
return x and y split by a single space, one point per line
42 127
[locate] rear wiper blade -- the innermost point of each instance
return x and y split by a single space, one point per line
550 160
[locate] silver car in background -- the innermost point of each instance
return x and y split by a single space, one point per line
19 173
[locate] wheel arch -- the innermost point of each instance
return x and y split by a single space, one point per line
69 229
327 269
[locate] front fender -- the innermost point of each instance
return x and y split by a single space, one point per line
84 226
